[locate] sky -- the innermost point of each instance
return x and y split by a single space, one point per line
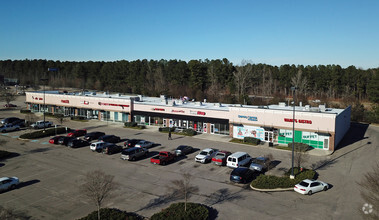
274 32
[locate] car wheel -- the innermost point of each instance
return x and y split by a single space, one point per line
17 129
163 163
3 131
325 188
133 158
13 187
310 192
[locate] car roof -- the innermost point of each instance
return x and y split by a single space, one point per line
309 181
5 178
223 151
238 154
208 149
240 170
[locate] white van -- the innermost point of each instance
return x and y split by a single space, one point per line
97 146
238 159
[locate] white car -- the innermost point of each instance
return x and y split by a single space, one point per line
206 155
7 183
144 144
309 187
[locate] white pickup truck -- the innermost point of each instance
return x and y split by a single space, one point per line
9 127
42 124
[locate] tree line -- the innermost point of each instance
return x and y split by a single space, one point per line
215 80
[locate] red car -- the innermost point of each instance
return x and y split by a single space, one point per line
9 105
54 140
220 158
77 133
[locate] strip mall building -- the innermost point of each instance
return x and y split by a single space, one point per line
319 127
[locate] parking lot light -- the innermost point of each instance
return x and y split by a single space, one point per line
292 176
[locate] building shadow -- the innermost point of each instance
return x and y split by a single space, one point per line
355 133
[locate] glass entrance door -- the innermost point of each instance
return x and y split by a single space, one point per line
212 131
269 136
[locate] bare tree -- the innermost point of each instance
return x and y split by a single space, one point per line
98 187
370 193
300 81
10 214
8 97
242 77
269 161
183 188
300 155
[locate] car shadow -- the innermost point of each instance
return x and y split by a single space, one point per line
151 154
155 145
273 164
330 186
2 164
9 156
27 183
123 140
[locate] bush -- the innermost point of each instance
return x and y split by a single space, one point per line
25 111
301 147
189 132
48 132
273 182
252 140
48 114
176 211
166 129
78 118
4 154
130 124
112 213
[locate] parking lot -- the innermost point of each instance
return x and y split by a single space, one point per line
51 174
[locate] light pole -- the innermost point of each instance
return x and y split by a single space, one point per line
292 176
44 102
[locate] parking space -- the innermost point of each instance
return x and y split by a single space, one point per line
51 175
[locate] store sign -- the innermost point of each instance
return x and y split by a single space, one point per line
111 104
285 133
65 101
36 98
178 111
159 109
249 118
197 113
84 102
302 121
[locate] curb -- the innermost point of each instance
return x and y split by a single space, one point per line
272 190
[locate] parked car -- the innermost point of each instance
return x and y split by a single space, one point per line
97 146
9 127
42 124
144 144
7 183
238 159
110 148
9 120
75 143
259 164
309 186
19 122
183 150
64 140
77 133
93 135
163 158
131 142
206 155
55 139
220 157
134 153
109 138
10 105
242 175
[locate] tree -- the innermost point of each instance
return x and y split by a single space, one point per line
183 188
98 187
300 81
300 154
8 97
370 193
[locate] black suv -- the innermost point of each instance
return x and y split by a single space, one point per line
75 143
9 120
93 135
110 138
110 148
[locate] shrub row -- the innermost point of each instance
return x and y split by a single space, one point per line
252 140
188 132
112 213
300 147
176 211
40 133
273 182
78 118
25 111
134 125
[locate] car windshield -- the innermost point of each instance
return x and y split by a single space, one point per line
257 161
220 154
203 153
305 184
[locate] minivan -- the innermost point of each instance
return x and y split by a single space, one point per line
238 159
133 153
97 146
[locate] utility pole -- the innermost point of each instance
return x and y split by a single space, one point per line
292 176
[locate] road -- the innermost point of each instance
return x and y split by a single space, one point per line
51 175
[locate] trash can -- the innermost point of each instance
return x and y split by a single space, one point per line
270 144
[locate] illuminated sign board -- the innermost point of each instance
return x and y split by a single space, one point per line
197 113
111 104
65 101
159 109
178 111
302 121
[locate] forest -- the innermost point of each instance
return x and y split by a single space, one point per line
215 80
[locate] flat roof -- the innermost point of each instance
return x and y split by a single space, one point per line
185 103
